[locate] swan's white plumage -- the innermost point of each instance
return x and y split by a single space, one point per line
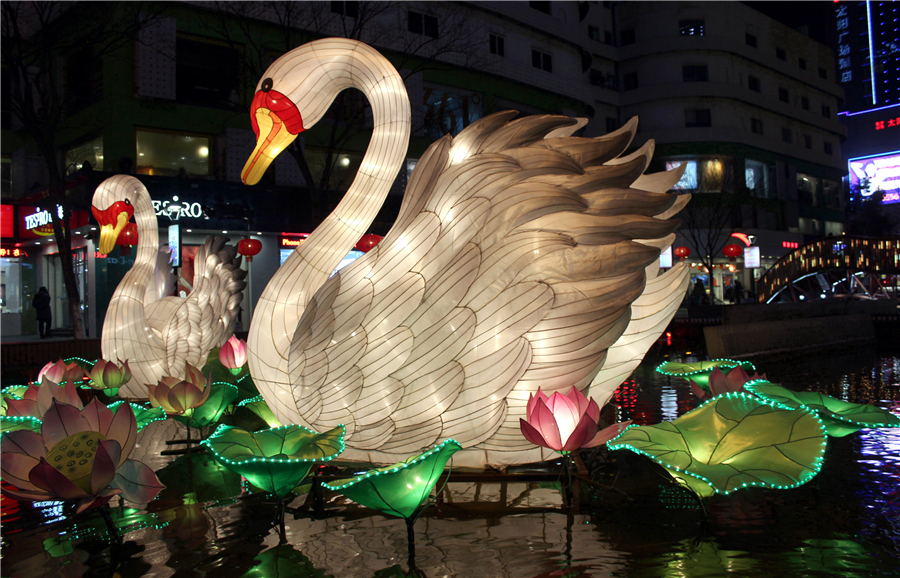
520 259
157 334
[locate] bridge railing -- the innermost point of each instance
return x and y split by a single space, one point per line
873 255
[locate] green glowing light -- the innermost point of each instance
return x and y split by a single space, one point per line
732 442
277 459
400 489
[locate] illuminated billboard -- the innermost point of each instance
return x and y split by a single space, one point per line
882 172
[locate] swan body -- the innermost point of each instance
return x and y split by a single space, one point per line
522 257
156 333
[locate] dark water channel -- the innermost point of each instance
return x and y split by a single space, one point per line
846 522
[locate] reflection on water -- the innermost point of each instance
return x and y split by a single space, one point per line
208 524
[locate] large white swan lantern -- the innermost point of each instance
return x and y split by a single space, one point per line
520 259
157 334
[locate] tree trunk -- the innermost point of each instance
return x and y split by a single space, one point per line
63 233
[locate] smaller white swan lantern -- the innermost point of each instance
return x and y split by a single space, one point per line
158 334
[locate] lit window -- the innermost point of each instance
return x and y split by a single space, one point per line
449 112
688 180
172 153
87 152
691 27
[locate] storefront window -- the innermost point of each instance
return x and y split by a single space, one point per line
11 300
756 178
172 153
688 181
832 192
449 112
90 151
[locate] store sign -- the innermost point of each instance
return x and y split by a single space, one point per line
789 244
14 252
291 242
882 174
7 220
37 223
842 22
751 258
888 123
176 209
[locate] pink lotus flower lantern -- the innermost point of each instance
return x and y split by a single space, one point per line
60 372
565 423
180 396
108 376
37 399
79 454
719 382
233 354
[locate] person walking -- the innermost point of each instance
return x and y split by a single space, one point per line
41 302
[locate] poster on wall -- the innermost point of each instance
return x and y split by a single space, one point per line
882 172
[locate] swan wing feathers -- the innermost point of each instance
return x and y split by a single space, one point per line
519 260
162 282
206 317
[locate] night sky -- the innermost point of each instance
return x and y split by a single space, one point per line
817 16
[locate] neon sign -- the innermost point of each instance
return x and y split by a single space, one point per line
889 123
881 173
13 253
790 244
41 218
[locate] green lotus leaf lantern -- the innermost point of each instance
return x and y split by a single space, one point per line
400 489
220 397
731 442
699 371
259 407
17 422
143 414
840 417
274 460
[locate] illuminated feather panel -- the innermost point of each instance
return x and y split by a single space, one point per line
522 257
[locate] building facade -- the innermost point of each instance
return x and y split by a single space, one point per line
748 105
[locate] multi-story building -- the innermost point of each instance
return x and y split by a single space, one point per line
866 34
721 88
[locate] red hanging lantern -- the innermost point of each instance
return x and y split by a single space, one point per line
127 239
366 242
733 252
682 252
249 247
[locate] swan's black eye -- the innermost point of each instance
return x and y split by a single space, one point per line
267 85
127 202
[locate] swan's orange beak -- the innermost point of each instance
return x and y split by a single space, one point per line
112 220
276 122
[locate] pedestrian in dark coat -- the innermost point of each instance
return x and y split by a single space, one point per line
41 302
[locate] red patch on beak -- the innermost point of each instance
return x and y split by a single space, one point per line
280 105
110 215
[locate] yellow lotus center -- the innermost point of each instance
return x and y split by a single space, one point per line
74 457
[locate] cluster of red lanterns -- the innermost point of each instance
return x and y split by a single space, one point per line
730 251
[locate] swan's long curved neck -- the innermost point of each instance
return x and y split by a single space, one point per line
281 305
379 81
130 292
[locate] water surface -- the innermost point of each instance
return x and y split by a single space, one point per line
846 522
